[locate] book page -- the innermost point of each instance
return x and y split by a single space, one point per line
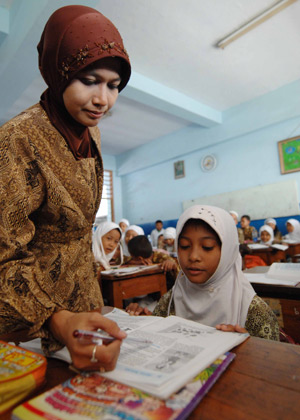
124 271
257 246
289 271
179 350
264 279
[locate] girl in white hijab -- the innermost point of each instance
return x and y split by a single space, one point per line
211 287
130 232
293 228
169 239
266 235
106 239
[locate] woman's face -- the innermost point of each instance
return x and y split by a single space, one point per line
199 253
289 227
92 93
265 236
129 235
110 240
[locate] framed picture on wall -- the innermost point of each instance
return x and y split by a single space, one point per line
179 169
289 155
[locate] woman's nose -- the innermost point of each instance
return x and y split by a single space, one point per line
100 95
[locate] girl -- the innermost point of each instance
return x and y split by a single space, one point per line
130 232
169 239
266 235
293 228
106 239
211 287
277 234
51 185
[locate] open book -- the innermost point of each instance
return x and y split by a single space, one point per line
289 271
124 271
90 396
178 351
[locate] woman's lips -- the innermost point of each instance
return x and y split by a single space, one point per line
95 114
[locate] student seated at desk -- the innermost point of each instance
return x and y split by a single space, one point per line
124 224
249 233
169 236
106 245
277 234
130 232
211 287
266 235
293 228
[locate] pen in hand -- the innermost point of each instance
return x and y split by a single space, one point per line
96 336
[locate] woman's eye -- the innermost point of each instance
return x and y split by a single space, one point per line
87 82
113 86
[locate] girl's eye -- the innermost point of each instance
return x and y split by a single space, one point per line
208 248
183 246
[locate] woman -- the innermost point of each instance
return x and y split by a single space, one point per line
50 188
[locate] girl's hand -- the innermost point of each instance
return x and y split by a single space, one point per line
63 323
135 309
168 265
231 328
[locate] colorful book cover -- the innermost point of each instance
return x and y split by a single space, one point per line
91 396
21 371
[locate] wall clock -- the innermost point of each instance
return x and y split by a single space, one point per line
208 163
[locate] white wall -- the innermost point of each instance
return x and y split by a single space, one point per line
109 163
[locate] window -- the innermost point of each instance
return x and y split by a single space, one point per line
106 209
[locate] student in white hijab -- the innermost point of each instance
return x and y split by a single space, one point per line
266 235
293 228
106 240
130 232
169 239
211 287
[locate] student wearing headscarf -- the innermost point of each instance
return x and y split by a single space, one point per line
169 239
124 223
211 287
106 241
277 234
130 232
266 235
51 185
293 228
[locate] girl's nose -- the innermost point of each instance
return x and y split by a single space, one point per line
195 254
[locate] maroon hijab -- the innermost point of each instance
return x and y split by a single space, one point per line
75 37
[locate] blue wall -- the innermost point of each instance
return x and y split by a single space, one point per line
245 145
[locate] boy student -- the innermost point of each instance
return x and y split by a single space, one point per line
142 253
249 233
156 232
211 288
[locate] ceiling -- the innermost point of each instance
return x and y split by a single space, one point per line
179 75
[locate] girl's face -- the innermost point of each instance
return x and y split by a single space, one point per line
92 93
169 241
110 240
129 235
123 226
199 253
272 225
289 227
265 236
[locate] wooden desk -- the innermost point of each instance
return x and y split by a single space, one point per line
284 300
293 250
270 255
263 382
116 289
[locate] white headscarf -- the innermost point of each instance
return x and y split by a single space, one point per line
235 213
270 220
138 230
268 229
295 235
226 296
170 233
98 250
124 221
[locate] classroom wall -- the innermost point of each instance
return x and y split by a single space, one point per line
245 146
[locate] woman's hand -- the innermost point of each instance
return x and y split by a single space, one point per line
63 323
168 265
135 309
231 328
